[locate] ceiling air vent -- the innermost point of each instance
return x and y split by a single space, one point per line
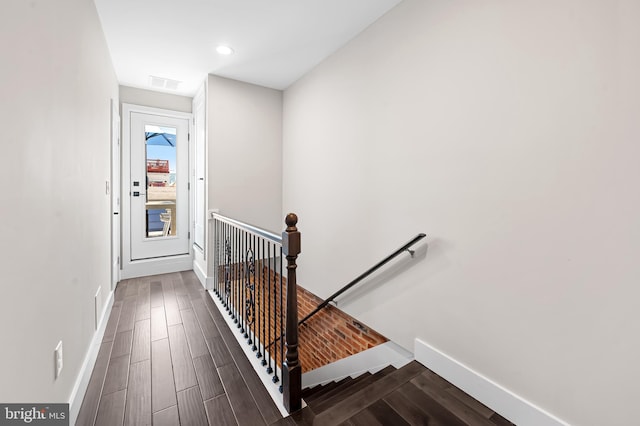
164 83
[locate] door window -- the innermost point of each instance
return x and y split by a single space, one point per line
160 208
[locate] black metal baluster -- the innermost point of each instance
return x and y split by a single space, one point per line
227 246
234 277
248 314
223 256
215 257
257 338
239 278
279 351
230 233
217 238
239 283
280 328
254 292
232 247
245 279
219 256
242 286
271 312
256 303
253 289
216 268
261 352
228 251
269 316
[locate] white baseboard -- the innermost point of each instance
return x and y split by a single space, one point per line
272 388
160 265
200 273
501 400
209 284
82 381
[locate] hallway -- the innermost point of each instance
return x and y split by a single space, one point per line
169 320
169 358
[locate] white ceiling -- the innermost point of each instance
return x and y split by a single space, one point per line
275 41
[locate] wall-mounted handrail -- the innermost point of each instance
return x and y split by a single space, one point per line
356 281
363 276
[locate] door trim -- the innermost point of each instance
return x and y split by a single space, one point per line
161 265
115 187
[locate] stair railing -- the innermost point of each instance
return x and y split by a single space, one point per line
346 287
364 275
250 283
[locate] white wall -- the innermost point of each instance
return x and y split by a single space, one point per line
133 95
507 131
245 152
56 83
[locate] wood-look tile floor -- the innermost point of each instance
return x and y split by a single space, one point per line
168 358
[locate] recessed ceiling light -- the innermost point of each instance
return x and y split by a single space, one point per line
224 50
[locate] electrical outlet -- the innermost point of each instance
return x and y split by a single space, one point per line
58 359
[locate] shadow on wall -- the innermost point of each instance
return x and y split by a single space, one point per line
388 273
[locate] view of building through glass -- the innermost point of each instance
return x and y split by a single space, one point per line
160 181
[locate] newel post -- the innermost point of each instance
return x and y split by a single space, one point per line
291 369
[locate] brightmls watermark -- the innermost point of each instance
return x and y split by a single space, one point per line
34 414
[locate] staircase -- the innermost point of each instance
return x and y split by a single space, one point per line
411 395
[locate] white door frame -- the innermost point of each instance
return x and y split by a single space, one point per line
115 194
199 168
138 268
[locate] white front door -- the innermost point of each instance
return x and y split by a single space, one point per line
158 185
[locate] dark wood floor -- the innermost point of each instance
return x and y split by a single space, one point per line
169 358
411 395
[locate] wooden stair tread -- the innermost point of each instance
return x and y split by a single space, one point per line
425 382
409 411
315 392
412 395
338 390
387 370
428 405
385 414
343 392
356 402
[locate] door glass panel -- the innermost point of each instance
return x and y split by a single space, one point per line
160 206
